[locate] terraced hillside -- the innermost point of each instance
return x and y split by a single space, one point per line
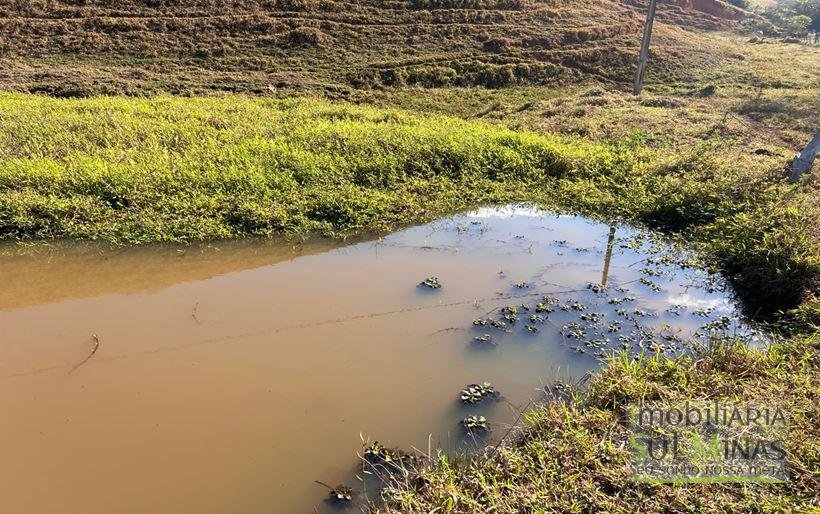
80 47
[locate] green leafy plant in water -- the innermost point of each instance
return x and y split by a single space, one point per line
342 494
473 423
431 283
475 393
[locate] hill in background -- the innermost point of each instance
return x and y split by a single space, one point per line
83 47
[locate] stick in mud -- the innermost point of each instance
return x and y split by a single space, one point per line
93 351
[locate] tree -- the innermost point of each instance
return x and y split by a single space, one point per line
795 15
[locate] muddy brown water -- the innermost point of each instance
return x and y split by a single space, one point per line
229 378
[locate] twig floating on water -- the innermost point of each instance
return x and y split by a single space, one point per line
193 313
93 351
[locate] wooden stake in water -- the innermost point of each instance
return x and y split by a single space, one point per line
610 242
647 35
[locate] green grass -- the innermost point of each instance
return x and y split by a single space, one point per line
132 171
572 455
182 169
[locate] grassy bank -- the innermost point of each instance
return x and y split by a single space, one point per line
177 169
181 169
572 455
131 170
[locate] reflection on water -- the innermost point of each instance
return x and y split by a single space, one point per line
230 379
46 273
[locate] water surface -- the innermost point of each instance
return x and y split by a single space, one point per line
229 378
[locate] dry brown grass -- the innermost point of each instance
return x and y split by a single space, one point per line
69 48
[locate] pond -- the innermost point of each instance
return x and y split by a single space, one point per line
231 377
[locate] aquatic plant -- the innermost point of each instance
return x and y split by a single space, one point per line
475 393
484 340
473 423
645 281
387 459
544 307
722 323
651 272
573 330
619 301
341 494
593 317
430 283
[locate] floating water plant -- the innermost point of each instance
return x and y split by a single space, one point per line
596 288
475 393
593 317
341 494
510 309
536 318
577 306
619 301
495 323
675 309
480 322
543 307
389 458
531 328
473 423
430 283
703 313
651 272
484 340
722 323
573 330
597 343
522 285
645 281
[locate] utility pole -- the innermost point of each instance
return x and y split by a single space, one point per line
647 35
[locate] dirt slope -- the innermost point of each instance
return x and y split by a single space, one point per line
79 47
